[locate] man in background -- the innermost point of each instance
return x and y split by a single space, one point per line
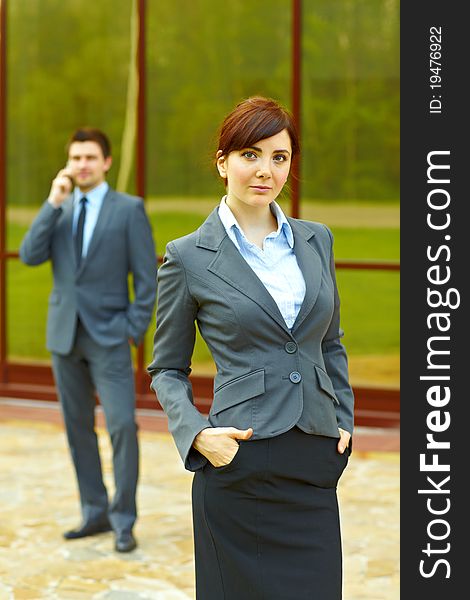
94 237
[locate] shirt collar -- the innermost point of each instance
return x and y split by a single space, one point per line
282 223
93 196
230 222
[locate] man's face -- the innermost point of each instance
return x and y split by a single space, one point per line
87 164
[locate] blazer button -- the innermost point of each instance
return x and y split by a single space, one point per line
290 347
295 377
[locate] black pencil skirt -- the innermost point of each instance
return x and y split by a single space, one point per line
266 526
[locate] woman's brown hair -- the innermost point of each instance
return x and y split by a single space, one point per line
255 119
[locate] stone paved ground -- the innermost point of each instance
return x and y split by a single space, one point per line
38 501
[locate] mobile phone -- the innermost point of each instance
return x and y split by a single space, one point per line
72 180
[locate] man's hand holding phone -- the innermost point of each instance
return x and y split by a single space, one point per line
61 187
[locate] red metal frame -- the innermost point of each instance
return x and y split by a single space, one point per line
374 406
369 265
296 91
3 191
141 382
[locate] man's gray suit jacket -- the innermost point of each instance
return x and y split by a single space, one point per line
97 291
268 377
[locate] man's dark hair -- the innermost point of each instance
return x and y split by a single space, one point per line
90 134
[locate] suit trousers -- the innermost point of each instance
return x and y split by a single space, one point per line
87 369
266 526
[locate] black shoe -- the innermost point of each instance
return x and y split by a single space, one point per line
125 542
87 529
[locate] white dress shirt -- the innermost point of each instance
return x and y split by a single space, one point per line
95 199
275 264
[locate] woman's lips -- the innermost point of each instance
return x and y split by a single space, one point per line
261 188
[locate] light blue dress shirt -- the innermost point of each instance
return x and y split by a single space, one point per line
275 265
95 199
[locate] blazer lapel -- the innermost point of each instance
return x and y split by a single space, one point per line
229 265
310 264
67 212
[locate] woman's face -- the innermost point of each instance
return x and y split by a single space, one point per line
256 175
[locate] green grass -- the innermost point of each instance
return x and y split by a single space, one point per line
351 243
27 299
365 243
169 226
369 299
15 234
370 311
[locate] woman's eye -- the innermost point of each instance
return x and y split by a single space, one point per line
280 158
249 154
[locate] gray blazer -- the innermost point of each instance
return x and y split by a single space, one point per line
268 377
122 243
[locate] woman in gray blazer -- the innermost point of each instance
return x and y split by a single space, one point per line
261 288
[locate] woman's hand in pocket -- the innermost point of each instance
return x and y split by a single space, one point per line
220 444
343 442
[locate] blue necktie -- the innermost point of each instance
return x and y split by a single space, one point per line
79 232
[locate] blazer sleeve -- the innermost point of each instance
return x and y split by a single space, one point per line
143 265
35 247
336 361
172 351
